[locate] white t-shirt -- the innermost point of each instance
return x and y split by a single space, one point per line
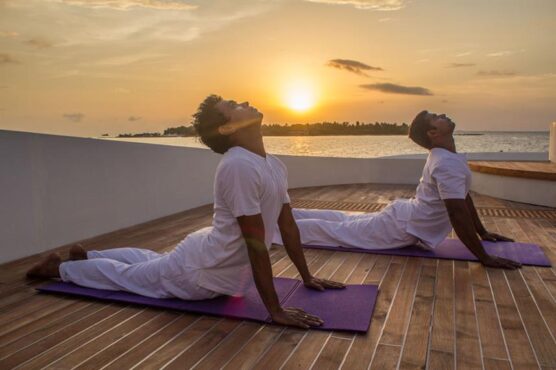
445 176
245 184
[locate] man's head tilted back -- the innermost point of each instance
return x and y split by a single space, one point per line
419 128
207 120
218 121
430 129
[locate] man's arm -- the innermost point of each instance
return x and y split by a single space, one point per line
464 226
292 243
252 229
479 228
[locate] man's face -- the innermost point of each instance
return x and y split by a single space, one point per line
443 124
239 115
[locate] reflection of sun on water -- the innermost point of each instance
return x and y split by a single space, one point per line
299 97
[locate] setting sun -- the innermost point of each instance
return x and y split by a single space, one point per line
299 97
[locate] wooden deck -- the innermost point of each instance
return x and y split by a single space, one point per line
429 314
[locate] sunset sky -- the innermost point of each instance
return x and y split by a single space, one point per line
88 67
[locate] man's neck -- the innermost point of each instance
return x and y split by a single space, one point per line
253 144
449 145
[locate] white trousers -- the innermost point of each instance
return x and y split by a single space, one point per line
135 270
380 230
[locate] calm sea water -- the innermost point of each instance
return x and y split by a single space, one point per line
377 146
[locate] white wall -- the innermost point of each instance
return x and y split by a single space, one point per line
541 192
55 190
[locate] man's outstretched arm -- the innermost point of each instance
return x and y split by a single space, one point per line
479 228
292 242
252 229
463 225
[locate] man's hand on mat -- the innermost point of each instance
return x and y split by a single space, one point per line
499 262
493 237
291 316
322 284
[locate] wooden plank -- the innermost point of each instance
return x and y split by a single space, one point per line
332 354
400 311
204 345
50 341
386 357
35 307
468 351
441 360
443 322
95 342
179 344
157 339
24 341
248 355
545 302
275 356
414 350
497 364
128 339
35 329
529 170
540 337
57 353
519 348
220 355
363 347
490 331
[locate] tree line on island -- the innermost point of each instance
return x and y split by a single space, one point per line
298 129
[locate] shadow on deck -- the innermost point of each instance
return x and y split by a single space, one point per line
430 313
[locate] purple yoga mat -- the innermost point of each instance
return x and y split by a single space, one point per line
454 249
342 309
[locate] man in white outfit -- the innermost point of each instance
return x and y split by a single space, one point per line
250 198
442 201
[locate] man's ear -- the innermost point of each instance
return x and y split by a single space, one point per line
227 129
432 133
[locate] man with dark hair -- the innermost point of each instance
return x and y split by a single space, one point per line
250 198
442 201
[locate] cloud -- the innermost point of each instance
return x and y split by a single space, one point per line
74 117
352 66
397 89
461 65
133 118
127 4
8 59
502 53
39 43
384 5
9 34
495 73
464 54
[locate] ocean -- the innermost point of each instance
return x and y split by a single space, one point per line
377 146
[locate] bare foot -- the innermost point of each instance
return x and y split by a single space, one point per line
48 268
77 252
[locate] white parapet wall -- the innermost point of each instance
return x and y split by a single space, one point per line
56 190
533 191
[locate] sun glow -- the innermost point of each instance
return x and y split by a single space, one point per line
299 97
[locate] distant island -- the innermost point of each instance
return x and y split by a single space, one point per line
299 129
